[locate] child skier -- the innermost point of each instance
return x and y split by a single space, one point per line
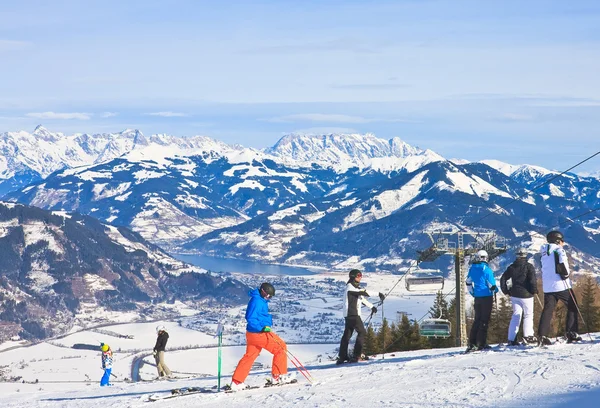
259 335
107 360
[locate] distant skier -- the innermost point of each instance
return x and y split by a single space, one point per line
482 285
159 352
259 335
520 283
354 298
557 286
107 360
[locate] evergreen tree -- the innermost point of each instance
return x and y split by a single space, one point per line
403 342
384 337
370 347
501 316
587 297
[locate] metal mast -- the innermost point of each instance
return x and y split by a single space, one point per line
441 245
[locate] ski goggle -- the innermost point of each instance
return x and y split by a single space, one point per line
265 294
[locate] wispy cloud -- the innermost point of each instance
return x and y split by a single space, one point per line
57 115
11 45
514 117
568 103
328 118
109 114
375 87
334 45
167 114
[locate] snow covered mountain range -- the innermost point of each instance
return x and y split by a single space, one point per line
330 200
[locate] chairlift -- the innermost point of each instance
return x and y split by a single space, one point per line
424 280
435 328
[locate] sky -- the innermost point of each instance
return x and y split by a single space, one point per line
513 81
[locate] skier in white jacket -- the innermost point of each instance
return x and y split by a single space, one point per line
557 286
354 298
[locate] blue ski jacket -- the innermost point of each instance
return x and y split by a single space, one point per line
257 312
482 278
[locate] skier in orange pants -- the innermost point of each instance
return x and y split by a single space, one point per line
260 336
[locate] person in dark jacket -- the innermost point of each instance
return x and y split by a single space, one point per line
159 352
354 298
519 282
482 285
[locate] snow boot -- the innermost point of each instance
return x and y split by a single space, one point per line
281 379
573 337
545 341
233 387
530 340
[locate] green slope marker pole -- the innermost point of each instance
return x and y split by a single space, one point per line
220 336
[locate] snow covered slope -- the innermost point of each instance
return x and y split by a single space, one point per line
558 376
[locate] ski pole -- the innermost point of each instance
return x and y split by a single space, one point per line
539 301
220 337
299 366
219 366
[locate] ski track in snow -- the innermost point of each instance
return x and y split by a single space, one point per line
425 378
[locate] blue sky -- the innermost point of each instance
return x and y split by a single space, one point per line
511 80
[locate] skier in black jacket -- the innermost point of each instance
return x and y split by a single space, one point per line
354 298
520 283
159 352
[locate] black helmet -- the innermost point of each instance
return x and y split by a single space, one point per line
554 237
354 273
267 289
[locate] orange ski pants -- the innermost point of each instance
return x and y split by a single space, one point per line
255 342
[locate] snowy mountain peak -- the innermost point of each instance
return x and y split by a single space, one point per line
44 134
529 173
341 149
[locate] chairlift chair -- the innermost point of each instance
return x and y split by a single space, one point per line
424 280
435 328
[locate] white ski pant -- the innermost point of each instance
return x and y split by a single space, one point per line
521 308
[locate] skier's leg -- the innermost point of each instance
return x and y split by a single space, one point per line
253 348
360 338
348 330
572 316
476 322
527 317
486 313
547 312
159 366
515 321
165 369
277 347
106 377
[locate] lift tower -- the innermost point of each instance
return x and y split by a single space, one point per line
441 245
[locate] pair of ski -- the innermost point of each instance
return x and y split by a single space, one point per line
181 392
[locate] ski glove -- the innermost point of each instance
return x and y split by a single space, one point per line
266 329
373 310
154 353
381 296
494 289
